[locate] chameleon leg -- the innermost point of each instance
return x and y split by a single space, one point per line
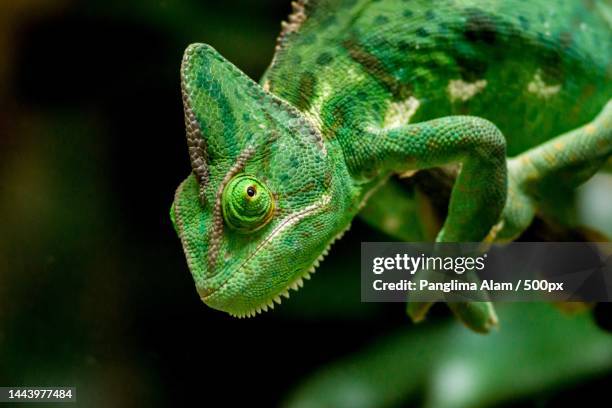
479 193
411 218
567 160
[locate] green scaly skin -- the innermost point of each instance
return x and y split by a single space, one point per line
515 92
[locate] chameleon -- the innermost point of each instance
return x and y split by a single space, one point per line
513 95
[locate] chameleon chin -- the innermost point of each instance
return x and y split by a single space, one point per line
358 91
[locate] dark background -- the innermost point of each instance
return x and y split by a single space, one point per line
94 289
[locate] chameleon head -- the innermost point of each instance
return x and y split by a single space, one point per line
267 195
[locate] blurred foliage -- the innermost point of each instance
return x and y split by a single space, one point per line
94 289
535 349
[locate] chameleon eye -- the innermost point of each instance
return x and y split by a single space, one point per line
247 204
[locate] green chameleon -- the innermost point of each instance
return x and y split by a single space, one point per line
514 94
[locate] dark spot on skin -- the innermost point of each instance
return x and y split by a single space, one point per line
273 136
524 23
324 58
294 162
318 224
422 32
337 121
380 43
480 27
471 69
430 15
311 185
552 66
403 46
433 64
443 27
362 95
407 13
372 65
328 179
381 20
336 115
306 90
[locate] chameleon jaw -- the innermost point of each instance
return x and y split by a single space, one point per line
295 285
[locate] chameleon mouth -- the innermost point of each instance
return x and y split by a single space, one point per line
295 285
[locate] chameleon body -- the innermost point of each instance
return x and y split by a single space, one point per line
516 93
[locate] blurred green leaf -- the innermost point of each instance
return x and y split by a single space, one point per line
445 366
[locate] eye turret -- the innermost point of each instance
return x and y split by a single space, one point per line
247 204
